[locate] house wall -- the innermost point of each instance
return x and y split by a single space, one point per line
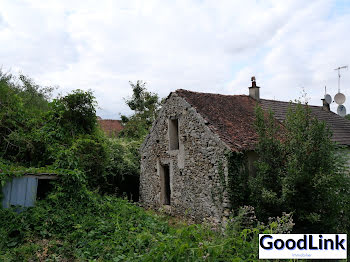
194 167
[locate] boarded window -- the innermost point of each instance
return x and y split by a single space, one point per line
165 184
174 134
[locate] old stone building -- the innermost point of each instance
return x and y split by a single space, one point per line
183 158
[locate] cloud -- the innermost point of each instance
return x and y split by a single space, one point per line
207 46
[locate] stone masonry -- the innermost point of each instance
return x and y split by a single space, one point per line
183 162
193 167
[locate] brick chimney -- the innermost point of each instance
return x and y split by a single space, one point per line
254 90
325 105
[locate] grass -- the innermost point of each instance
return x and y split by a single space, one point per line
105 228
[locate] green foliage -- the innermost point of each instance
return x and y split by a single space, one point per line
237 183
265 187
347 117
145 106
75 112
300 173
235 186
33 129
123 161
22 105
96 228
87 154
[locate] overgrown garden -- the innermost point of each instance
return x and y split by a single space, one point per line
86 216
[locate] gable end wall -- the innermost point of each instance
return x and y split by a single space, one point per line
194 167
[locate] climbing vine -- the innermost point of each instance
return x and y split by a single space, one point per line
236 184
71 182
237 179
220 185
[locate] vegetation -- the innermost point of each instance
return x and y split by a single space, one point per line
63 133
85 219
300 172
145 106
97 228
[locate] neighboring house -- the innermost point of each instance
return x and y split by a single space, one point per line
183 156
110 127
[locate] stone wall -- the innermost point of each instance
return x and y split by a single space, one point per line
195 186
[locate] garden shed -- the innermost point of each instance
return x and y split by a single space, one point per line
25 190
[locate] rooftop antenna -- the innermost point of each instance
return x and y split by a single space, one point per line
339 68
340 98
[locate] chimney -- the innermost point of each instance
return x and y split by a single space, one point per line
325 105
254 90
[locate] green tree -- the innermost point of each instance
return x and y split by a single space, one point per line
76 112
300 172
266 186
22 106
347 117
145 105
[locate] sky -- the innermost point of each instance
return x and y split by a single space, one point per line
198 45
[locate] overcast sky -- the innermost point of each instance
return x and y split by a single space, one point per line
205 46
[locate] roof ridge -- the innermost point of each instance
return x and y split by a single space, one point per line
204 93
279 101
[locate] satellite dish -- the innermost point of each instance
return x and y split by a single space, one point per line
339 98
341 110
328 99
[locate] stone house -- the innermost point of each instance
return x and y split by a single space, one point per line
183 156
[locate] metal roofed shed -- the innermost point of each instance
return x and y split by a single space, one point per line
25 190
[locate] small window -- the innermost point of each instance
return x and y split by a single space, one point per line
165 184
174 134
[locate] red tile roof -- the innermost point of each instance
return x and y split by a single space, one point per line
232 117
110 127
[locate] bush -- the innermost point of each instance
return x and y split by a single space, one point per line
300 172
105 228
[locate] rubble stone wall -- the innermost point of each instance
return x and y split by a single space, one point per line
196 191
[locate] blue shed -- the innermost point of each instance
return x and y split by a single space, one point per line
24 191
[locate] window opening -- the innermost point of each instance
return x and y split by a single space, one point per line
174 134
166 184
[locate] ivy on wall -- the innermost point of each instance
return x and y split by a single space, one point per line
237 179
236 184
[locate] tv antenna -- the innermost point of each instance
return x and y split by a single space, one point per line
339 68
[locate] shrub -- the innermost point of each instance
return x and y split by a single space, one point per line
300 172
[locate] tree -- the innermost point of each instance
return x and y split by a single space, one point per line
266 186
300 173
145 105
347 117
22 106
